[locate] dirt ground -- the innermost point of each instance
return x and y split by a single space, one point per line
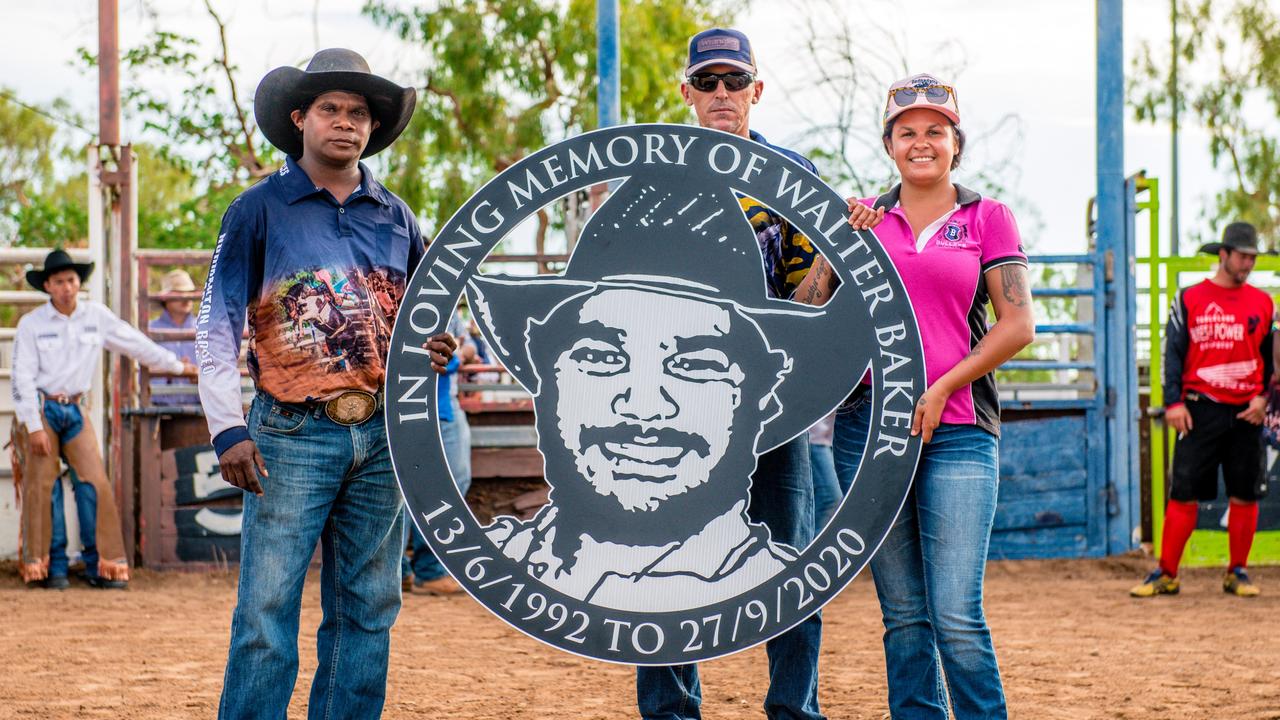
1071 644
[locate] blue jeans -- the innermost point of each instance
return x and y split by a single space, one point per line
929 573
66 422
782 499
87 513
826 488
456 435
331 484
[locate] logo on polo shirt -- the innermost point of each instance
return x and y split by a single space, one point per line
953 234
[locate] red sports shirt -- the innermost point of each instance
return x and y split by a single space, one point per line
1218 344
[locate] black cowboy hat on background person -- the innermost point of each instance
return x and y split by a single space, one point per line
286 89
55 262
1238 236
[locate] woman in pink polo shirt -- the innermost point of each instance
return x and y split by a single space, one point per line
956 251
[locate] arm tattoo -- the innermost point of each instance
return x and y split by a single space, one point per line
814 293
1014 289
976 348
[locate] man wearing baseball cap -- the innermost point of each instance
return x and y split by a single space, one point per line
721 85
318 256
1218 364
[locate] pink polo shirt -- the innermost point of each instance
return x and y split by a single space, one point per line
944 274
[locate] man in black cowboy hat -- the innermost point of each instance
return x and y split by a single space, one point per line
55 355
1218 364
312 455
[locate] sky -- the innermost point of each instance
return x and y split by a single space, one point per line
1031 59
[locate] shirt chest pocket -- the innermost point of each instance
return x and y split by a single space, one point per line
90 338
393 245
49 342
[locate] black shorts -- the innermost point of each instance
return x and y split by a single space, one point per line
1218 439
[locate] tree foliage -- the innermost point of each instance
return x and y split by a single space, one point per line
42 192
505 79
202 147
1229 80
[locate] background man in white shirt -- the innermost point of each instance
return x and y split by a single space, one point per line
55 355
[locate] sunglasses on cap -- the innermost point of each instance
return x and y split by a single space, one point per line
935 94
733 81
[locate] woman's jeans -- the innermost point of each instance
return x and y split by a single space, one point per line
929 572
329 484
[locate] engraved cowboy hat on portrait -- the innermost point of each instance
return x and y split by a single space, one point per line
57 261
286 89
644 235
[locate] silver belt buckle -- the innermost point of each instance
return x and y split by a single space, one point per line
351 407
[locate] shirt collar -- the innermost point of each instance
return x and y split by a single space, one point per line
889 200
52 312
293 179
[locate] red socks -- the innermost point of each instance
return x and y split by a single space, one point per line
1242 522
1179 523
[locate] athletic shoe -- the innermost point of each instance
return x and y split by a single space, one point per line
443 585
1236 582
1157 583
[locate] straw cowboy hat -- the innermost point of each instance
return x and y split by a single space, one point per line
174 281
286 89
55 262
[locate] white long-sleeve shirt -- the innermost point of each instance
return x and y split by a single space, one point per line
58 355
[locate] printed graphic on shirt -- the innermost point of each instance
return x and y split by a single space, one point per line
953 235
1216 328
1230 376
326 329
788 254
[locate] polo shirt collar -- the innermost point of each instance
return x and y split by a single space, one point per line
889 200
296 185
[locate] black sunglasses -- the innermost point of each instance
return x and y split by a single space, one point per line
733 81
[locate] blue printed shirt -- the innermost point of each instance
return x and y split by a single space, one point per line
320 282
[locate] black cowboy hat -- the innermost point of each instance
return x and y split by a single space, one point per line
1238 236
54 262
286 89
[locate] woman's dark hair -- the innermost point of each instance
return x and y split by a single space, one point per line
955 161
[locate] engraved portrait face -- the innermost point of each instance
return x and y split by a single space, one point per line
646 402
640 410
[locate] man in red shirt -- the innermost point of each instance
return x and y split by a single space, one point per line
1217 360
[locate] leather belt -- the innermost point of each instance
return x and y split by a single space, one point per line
64 399
353 407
